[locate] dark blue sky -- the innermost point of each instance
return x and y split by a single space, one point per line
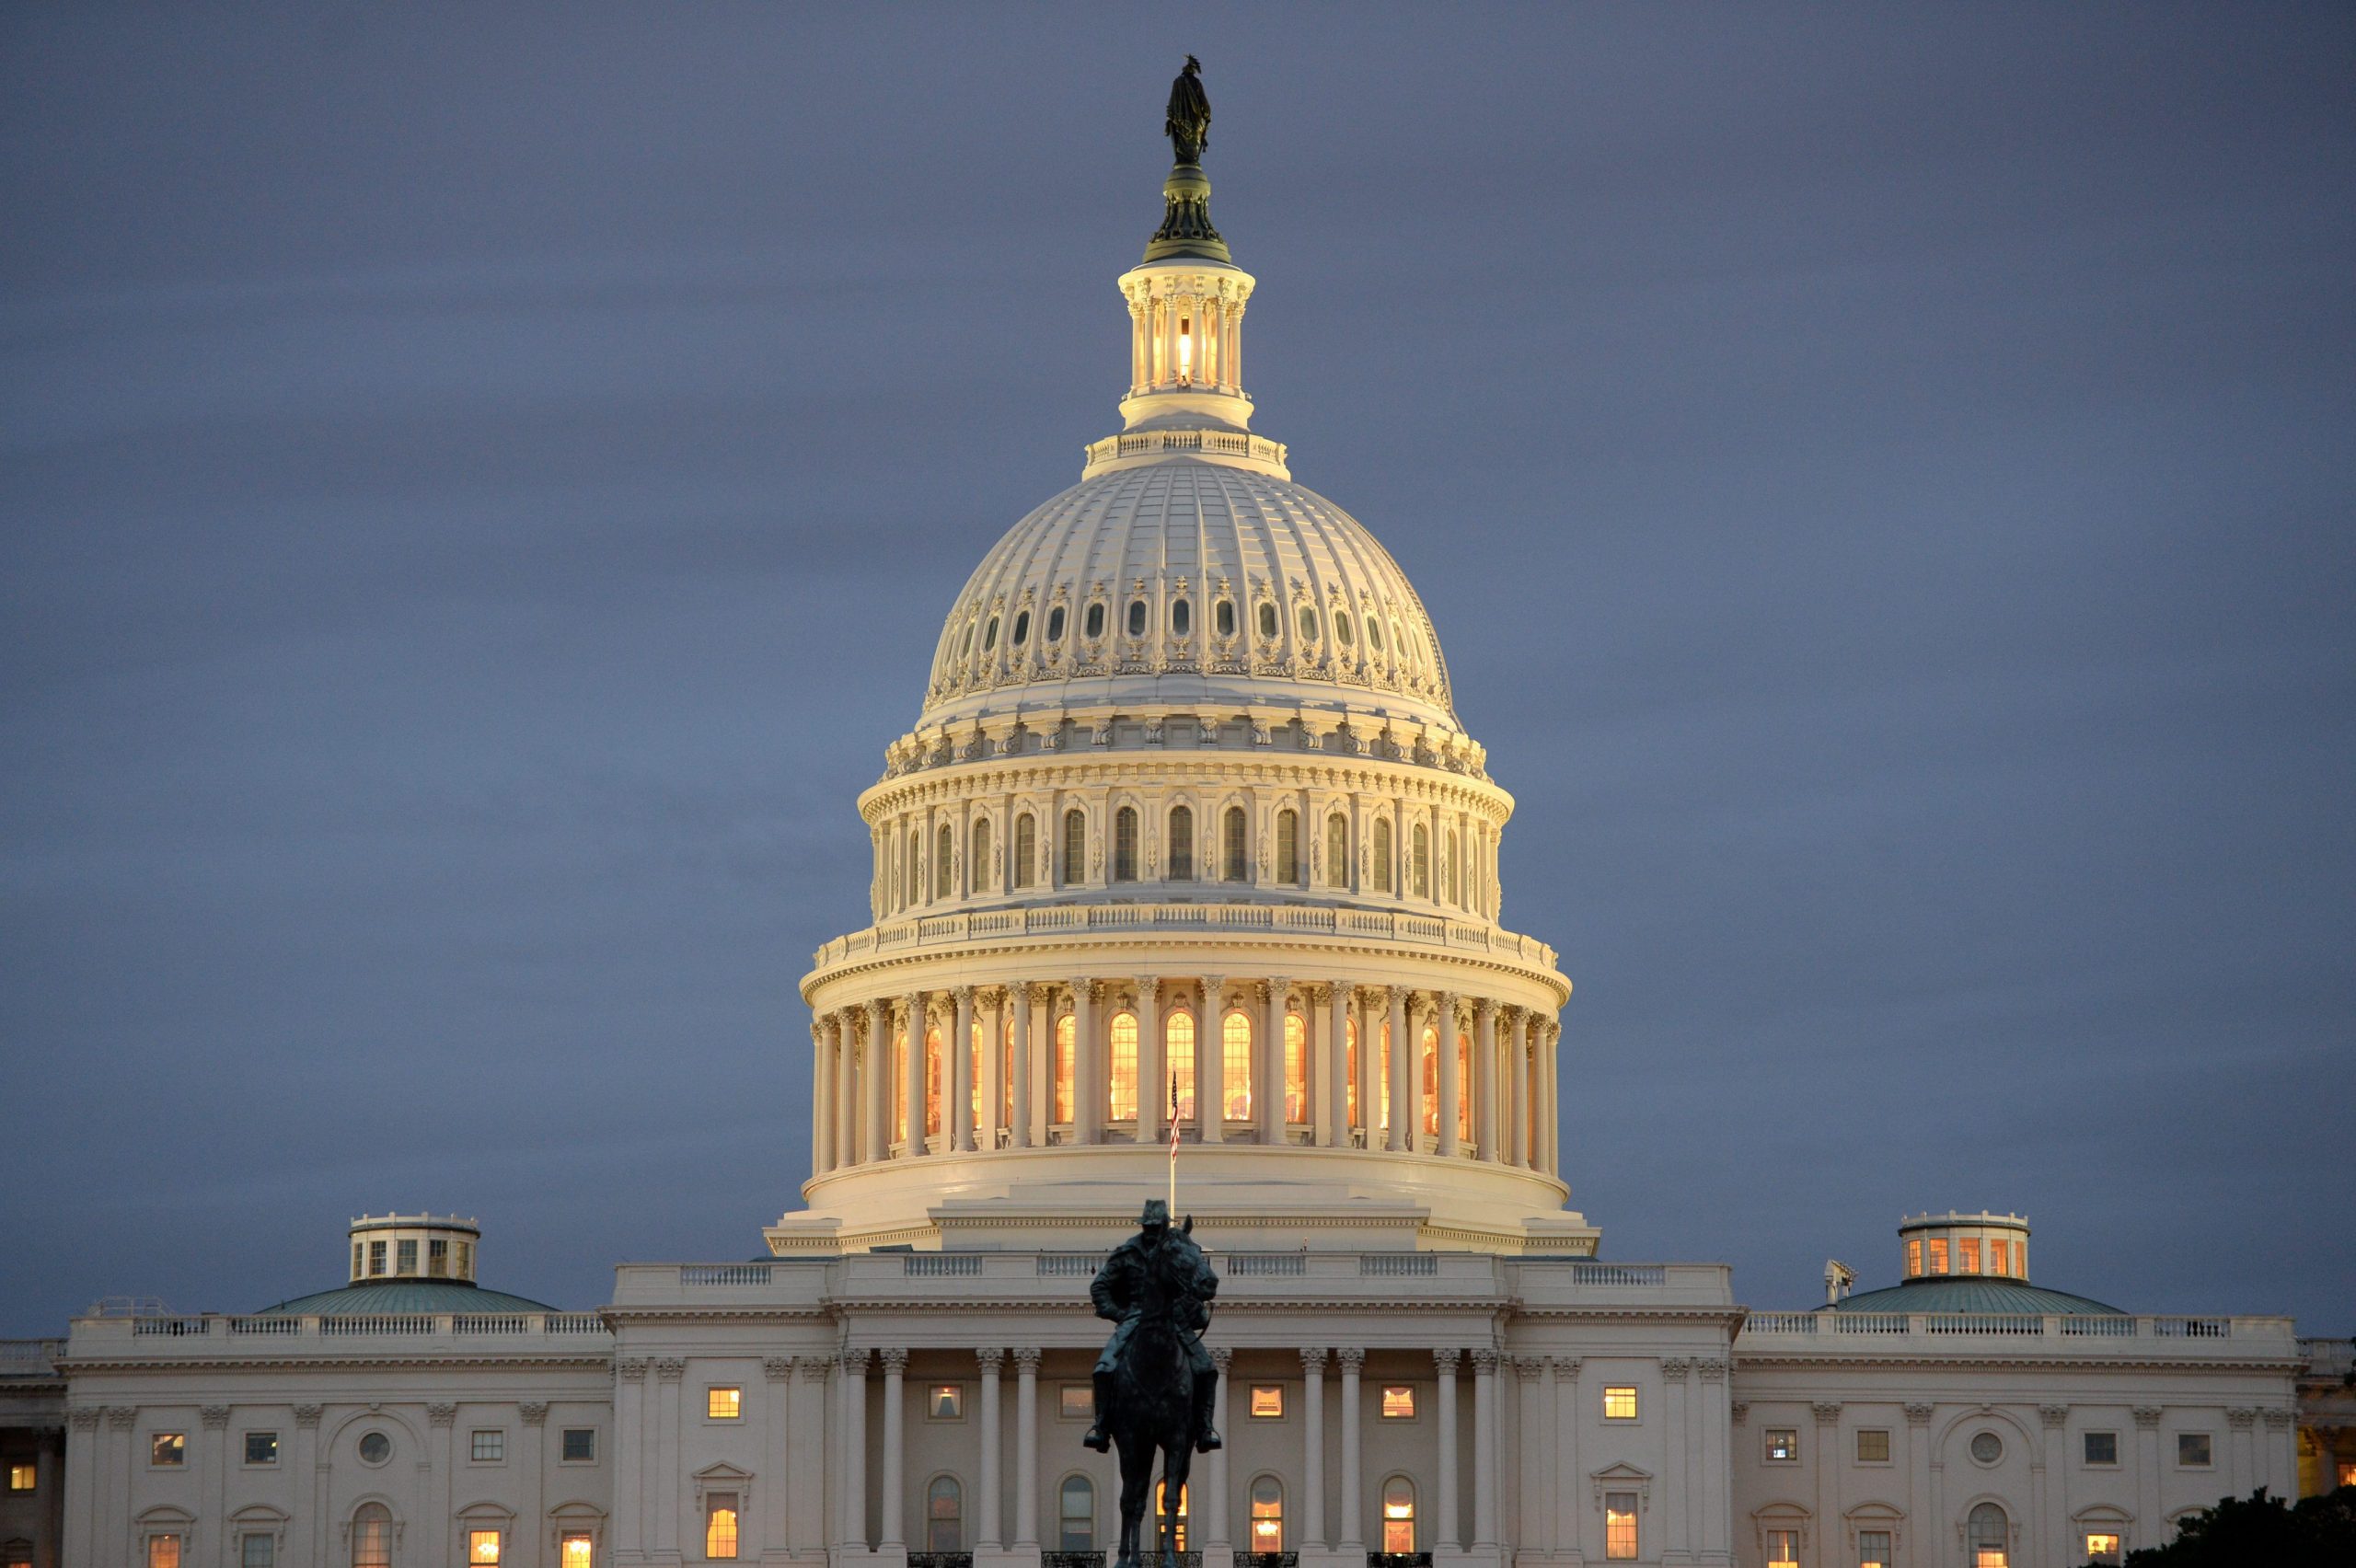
480 486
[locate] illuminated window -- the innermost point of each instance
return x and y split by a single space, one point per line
1873 1549
1287 847
1398 1515
1620 1526
164 1551
945 1401
1421 867
24 1476
2347 1473
482 1546
1350 1079
168 1448
1121 1092
1620 1403
577 1551
1999 1256
1936 1254
935 1091
1267 1400
1076 1513
2192 1450
437 1258
1382 1078
1431 1080
1783 1445
2102 1546
945 1514
1267 1514
579 1445
1056 623
944 862
1181 843
719 1527
1783 1548
1398 1402
488 1447
2102 1448
1382 855
723 1404
1067 1051
1986 1537
1337 850
1267 618
1296 1067
253 1552
1235 1064
1160 1502
1967 1251
405 1257
1873 1447
1026 847
1005 1055
372 1537
1178 1060
981 859
1124 845
1914 1258
979 1042
1465 1087
1237 829
1075 848
1076 1402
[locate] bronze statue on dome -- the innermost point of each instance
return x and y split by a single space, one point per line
1188 122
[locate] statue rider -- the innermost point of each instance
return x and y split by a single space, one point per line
1119 1294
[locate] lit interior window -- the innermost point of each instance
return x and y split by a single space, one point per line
579 1551
1267 1400
1296 1068
1783 1548
1185 348
1267 1514
23 1476
1398 1402
1999 1256
1620 1403
1235 1062
1121 1094
168 1448
1076 1402
1936 1254
1398 1515
945 1401
723 1404
1783 1443
1162 1503
719 1527
1178 1061
2102 1546
1914 1258
1968 1255
164 1551
1067 1053
1873 1549
1620 1526
482 1546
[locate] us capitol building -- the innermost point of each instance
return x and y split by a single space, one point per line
1186 832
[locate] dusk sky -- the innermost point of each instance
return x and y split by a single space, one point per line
481 485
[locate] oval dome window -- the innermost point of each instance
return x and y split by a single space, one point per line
966 643
989 635
1021 628
1223 617
1137 618
1342 626
1182 618
1056 623
1374 634
1307 620
1268 622
1095 624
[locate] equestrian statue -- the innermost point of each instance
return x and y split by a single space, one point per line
1155 1384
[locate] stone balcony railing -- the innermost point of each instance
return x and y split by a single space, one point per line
1152 442
2096 1334
213 1335
30 1358
2329 1360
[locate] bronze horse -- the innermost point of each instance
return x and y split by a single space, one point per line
1152 1401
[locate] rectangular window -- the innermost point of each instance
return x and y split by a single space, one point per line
164 1551
407 1255
2000 1256
1936 1252
2348 1475
437 1258
719 1527
580 1445
1398 1403
577 1551
1914 1258
1783 1445
1620 1526
2192 1450
945 1401
1076 1402
482 1547
1873 1447
1968 1255
1620 1403
1783 1548
258 1551
23 1476
1873 1549
261 1447
2102 1448
170 1449
376 1257
1267 1400
466 1259
490 1448
723 1403
2102 1546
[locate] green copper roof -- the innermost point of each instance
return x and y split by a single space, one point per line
1974 1293
404 1295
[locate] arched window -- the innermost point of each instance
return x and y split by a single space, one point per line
1350 1088
1267 1514
1238 835
1398 1515
1075 846
1431 1081
912 868
1423 863
1296 1067
980 839
945 1514
1235 1065
935 1092
1178 1060
1067 1063
1124 844
1268 623
372 1537
1095 623
1182 618
1464 1087
1337 850
1162 1502
1026 847
1287 846
1076 1514
944 862
1121 1089
1987 1538
1056 623
1382 854
1181 843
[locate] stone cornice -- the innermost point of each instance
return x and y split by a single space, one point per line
396 1362
1218 767
2010 1359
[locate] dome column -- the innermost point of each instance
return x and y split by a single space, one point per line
1210 1061
1484 1075
846 1088
1451 1075
878 1073
1018 996
1332 1084
1273 1074
1548 1153
1153 1088
822 1091
1087 1069
1517 1057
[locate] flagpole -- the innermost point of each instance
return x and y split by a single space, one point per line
1173 1145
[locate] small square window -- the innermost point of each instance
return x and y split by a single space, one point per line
490 1448
945 1401
258 1551
576 1550
1398 1402
168 1448
482 1547
261 1447
2102 1448
1620 1403
1873 1447
23 1476
2102 1546
1267 1400
580 1445
1783 1445
723 1404
164 1551
1076 1402
2192 1450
